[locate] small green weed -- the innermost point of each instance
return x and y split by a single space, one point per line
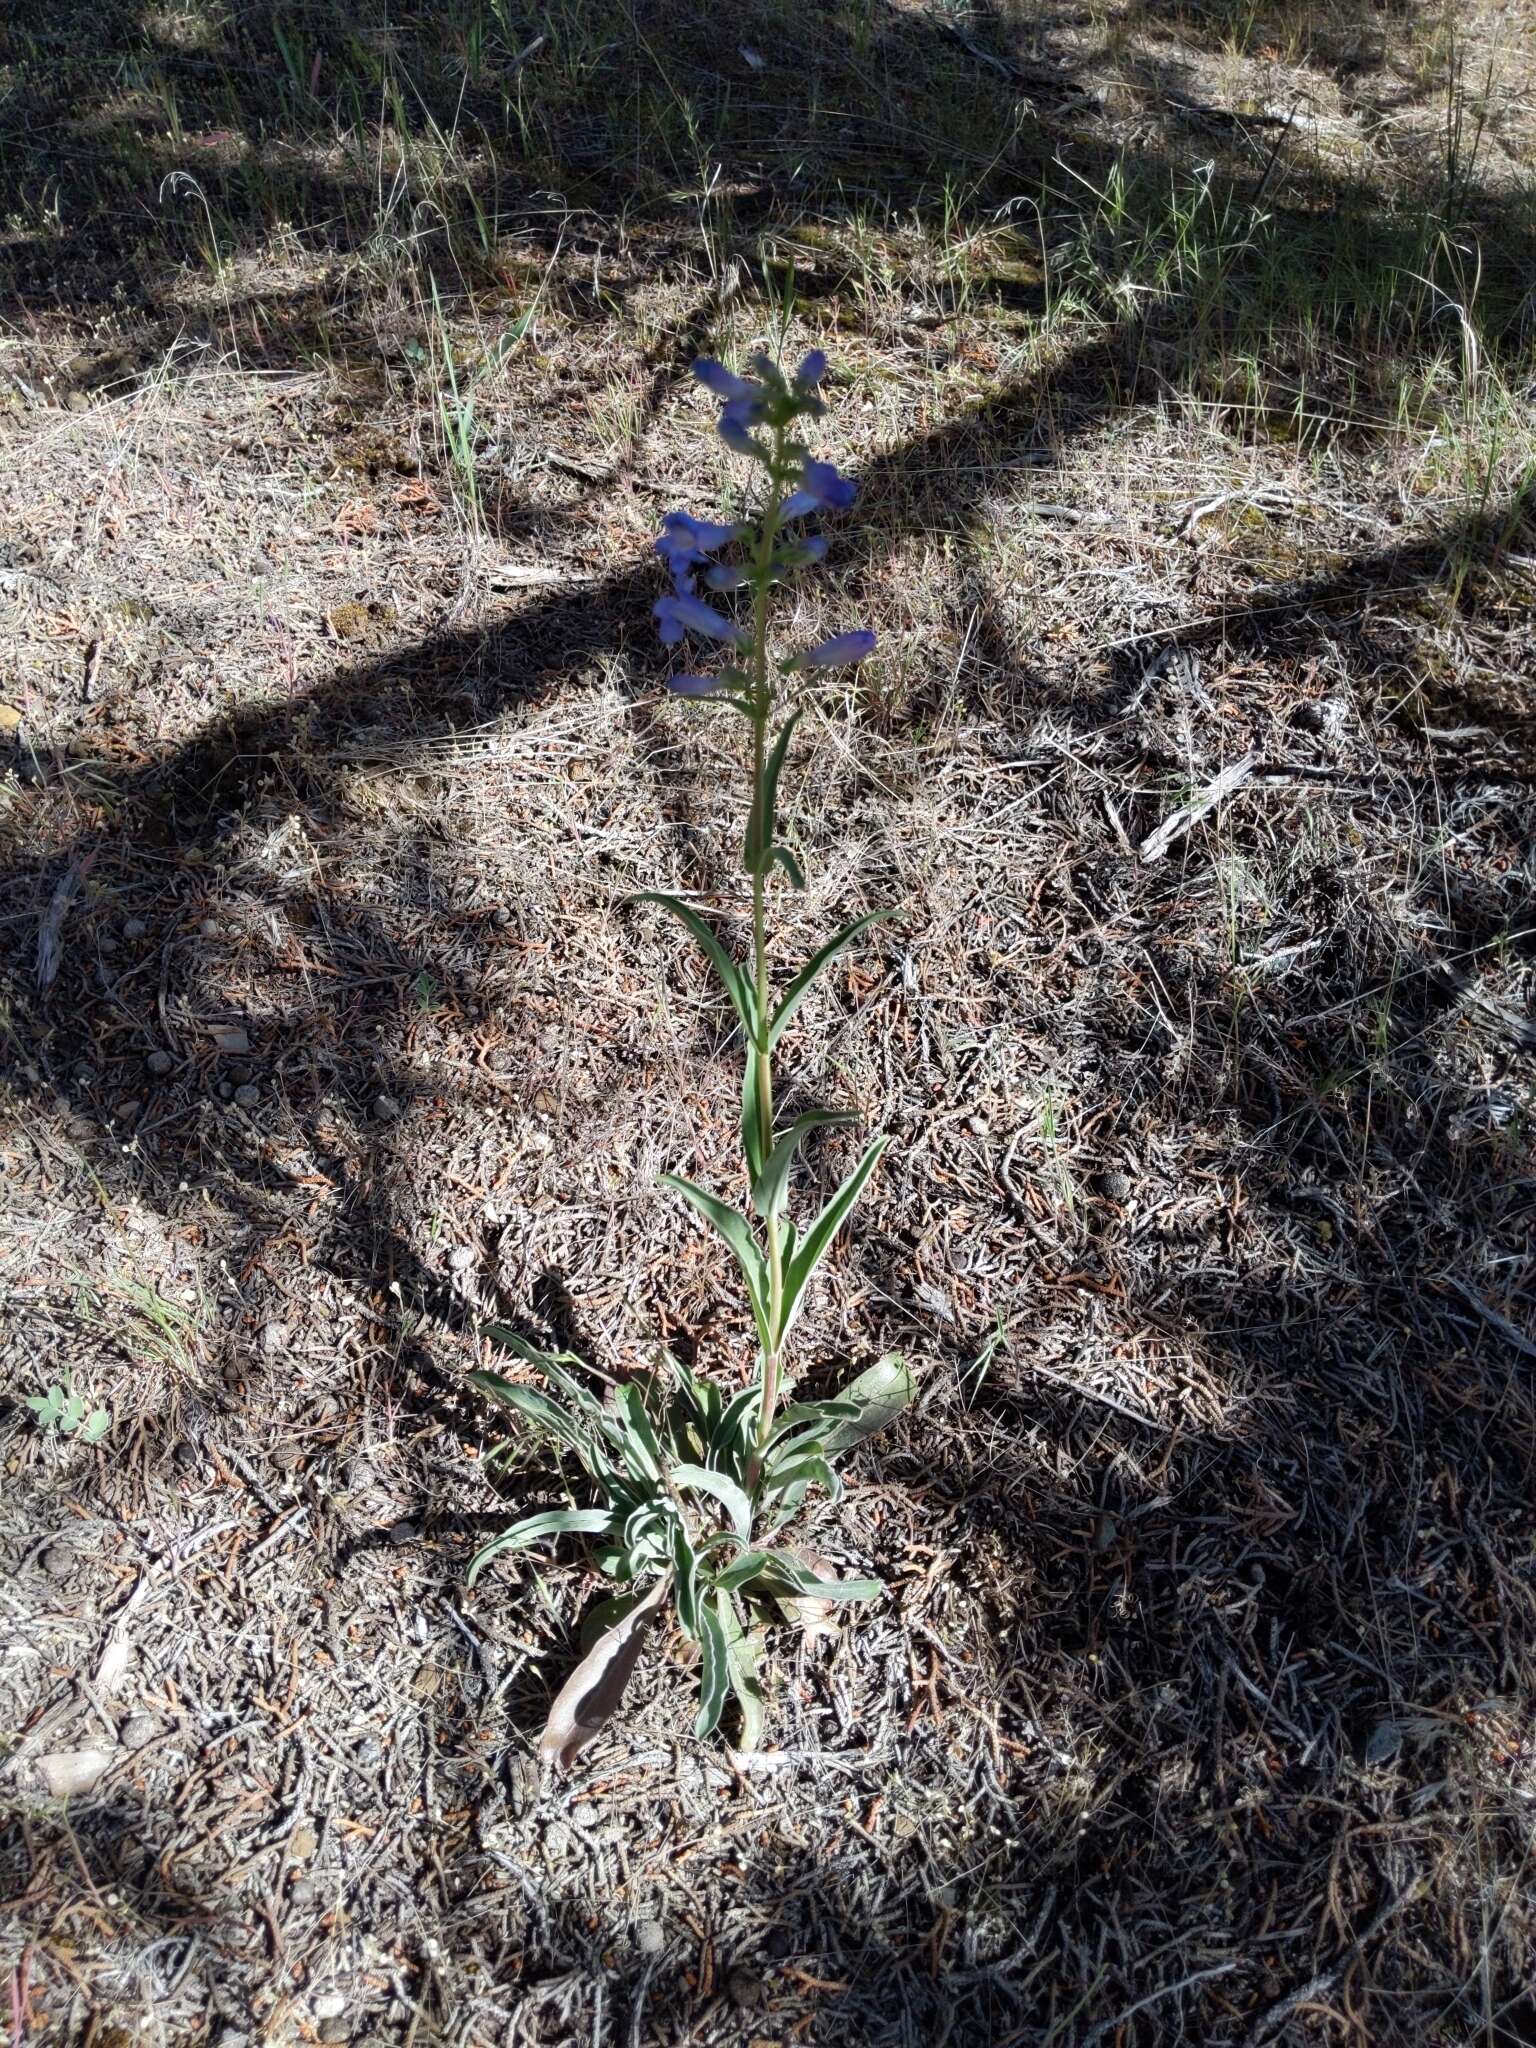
62 1412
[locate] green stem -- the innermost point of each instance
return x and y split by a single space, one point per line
762 692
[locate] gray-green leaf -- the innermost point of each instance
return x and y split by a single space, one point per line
878 1395
534 1528
787 1571
536 1408
762 818
812 1248
737 985
810 1470
724 1489
795 994
741 1655
737 1233
714 1670
771 1184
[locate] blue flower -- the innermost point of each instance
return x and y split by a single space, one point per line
695 686
684 542
676 616
804 554
735 435
822 489
811 370
720 576
838 652
723 382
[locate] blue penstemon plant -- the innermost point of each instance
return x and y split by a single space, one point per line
696 1485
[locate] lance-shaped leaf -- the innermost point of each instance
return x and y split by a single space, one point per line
737 1233
714 1670
742 1649
724 1489
545 1415
812 1248
552 1365
789 864
590 1696
809 1417
685 1566
534 1528
771 1184
735 1430
810 1470
785 1571
737 985
749 1566
795 994
758 849
642 1452
752 1116
877 1396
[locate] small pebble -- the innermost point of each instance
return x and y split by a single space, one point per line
385 1108
1114 1185
106 943
247 1097
336 2029
330 2005
585 1815
977 1126
274 1338
745 1989
210 928
369 1752
649 1937
402 1532
501 917
137 1730
134 928
287 1457
184 1458
58 1560
461 1258
302 1892
159 1063
226 1089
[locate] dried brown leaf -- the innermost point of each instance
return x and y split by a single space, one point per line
590 1697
